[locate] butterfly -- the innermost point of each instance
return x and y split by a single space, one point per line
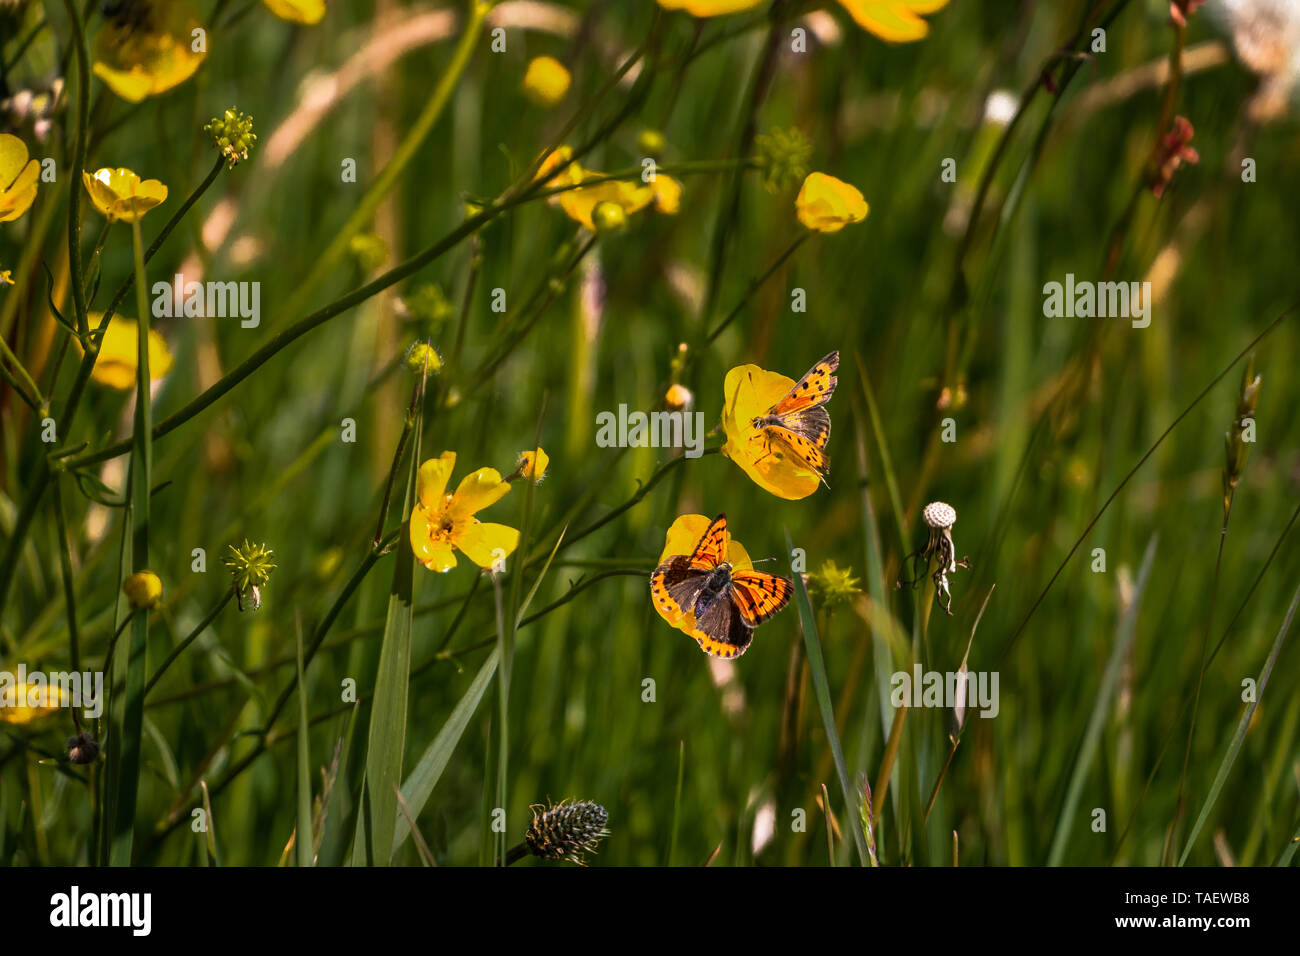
799 422
727 603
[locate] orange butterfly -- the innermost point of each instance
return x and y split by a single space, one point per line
799 422
727 604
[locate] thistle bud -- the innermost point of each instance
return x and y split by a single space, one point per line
566 831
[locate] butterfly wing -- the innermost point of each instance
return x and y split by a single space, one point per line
712 547
811 453
758 595
675 585
721 630
814 389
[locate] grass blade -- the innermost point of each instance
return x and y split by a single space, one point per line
305 841
817 668
377 814
419 785
1100 707
1234 746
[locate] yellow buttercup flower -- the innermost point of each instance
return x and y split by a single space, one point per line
18 177
28 701
147 48
121 194
532 464
709 8
297 11
578 204
143 590
827 204
546 81
748 393
443 523
116 365
895 21
682 536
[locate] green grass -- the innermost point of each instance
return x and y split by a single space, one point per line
387 713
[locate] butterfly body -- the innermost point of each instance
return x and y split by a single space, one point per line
726 603
799 425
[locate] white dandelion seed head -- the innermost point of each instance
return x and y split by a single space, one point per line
939 515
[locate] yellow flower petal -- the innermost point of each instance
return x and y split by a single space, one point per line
475 492
532 465
748 392
297 11
668 194
434 555
13 157
894 21
827 204
485 543
431 480
18 178
682 537
709 8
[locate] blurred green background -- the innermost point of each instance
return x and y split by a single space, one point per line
946 321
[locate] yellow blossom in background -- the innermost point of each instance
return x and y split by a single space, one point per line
827 204
546 81
443 523
297 11
121 194
18 178
143 590
116 365
668 194
678 397
6 277
895 21
682 537
147 49
28 701
748 393
532 464
709 8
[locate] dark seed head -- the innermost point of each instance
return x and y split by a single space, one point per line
82 749
567 830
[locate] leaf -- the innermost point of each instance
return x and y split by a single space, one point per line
419 785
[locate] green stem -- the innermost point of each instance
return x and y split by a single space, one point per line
180 648
78 165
